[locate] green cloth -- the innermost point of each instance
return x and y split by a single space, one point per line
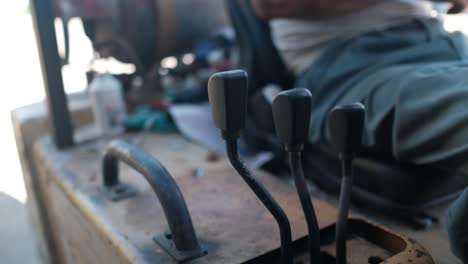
145 118
413 80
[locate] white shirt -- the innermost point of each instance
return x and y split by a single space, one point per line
300 42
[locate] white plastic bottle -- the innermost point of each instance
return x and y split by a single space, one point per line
108 104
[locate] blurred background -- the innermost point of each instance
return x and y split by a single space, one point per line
22 82
22 85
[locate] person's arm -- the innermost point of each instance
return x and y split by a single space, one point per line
323 9
457 5
309 9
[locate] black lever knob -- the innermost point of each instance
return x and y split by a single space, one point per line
291 113
346 125
227 92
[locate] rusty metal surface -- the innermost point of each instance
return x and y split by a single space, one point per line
362 250
228 218
402 249
434 239
371 243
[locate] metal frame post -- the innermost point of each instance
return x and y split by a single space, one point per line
59 117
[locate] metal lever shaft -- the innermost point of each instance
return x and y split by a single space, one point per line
291 113
227 92
345 126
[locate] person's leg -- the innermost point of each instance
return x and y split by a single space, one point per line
414 113
413 79
419 114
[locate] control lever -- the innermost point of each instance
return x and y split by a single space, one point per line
227 92
291 113
345 125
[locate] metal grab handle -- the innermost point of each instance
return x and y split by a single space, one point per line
169 194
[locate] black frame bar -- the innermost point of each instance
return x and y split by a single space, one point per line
59 117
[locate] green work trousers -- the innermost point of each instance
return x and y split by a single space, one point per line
413 81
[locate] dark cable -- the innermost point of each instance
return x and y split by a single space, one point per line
344 204
265 197
295 162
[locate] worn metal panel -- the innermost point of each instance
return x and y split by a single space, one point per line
227 216
29 124
229 220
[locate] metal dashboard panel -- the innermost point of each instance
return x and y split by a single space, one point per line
229 220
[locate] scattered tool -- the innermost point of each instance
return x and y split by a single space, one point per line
291 113
345 125
227 92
